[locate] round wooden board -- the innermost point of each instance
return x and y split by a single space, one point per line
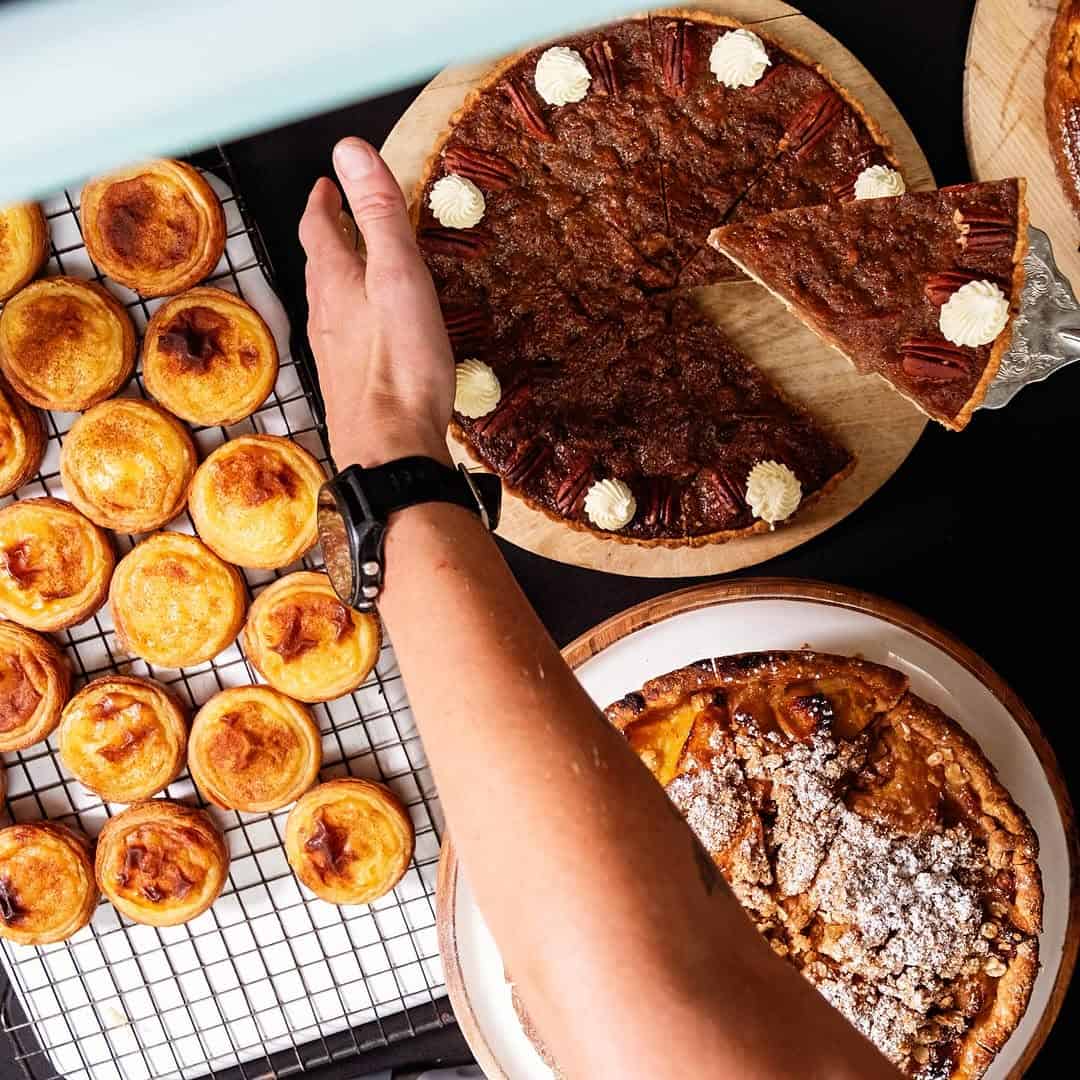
875 423
1005 119
693 599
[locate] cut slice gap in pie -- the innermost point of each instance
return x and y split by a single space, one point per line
920 289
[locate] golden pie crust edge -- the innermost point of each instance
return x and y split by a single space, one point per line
29 259
433 162
26 425
201 838
53 686
130 781
151 283
82 900
1062 99
990 1031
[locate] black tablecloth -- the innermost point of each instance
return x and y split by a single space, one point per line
974 531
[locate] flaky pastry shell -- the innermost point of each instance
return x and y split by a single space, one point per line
22 439
35 680
24 246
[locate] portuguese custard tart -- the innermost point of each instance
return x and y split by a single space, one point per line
66 344
35 680
208 357
253 749
161 863
157 228
47 887
55 564
349 840
22 440
253 501
174 602
124 738
126 464
306 643
24 246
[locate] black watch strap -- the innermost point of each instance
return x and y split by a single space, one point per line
412 480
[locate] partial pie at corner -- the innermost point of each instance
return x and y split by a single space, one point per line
253 749
161 863
124 738
55 564
157 228
35 680
47 887
22 439
253 501
349 840
306 643
66 344
208 357
126 464
24 246
174 602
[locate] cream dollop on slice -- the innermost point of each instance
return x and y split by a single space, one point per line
561 76
739 58
773 491
975 314
456 202
879 182
476 389
610 504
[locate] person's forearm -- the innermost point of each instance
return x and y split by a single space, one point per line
572 848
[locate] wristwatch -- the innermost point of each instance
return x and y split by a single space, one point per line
355 506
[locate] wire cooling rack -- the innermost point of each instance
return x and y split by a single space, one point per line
271 981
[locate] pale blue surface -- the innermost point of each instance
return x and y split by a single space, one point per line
88 85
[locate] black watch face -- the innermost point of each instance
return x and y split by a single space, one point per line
334 537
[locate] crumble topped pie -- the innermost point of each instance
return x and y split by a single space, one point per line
866 835
1063 98
921 289
560 213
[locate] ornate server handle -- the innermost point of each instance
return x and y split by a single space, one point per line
1046 332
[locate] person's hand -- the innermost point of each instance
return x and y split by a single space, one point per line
385 366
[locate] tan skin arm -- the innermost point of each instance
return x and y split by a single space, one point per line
631 953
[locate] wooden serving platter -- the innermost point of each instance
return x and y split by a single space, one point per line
1004 117
782 613
875 423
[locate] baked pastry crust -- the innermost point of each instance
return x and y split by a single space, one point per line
24 246
35 680
253 749
208 357
253 501
47 887
306 643
55 564
174 602
806 776
161 863
349 840
126 464
1063 98
22 439
124 738
157 228
66 344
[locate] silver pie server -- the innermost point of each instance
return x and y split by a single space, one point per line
1046 332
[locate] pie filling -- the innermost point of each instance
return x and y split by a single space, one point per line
594 213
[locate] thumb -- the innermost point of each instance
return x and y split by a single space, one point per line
376 202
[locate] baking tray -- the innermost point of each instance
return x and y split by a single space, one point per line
271 981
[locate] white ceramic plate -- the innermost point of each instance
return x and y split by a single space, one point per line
941 671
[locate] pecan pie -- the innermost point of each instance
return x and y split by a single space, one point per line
866 835
1063 98
559 230
879 279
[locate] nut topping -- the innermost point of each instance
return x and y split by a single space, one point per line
994 968
984 231
464 243
602 63
677 55
482 167
570 496
925 358
514 400
466 324
726 491
939 287
528 459
662 502
528 109
813 123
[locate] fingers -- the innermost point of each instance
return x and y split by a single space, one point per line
321 233
377 206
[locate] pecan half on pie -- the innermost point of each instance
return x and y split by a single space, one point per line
867 837
562 212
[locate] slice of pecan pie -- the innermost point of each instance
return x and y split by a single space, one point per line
866 835
921 289
1063 98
